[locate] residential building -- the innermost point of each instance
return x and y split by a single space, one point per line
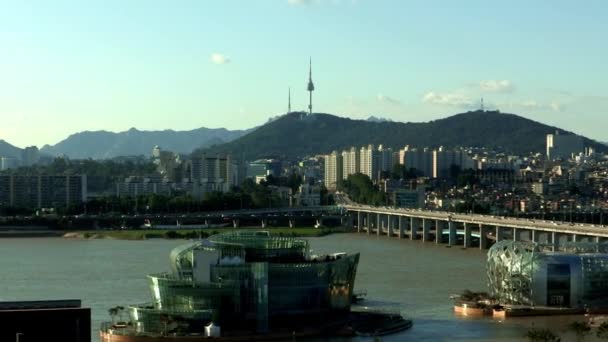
30 156
333 170
368 161
8 163
351 162
563 146
308 195
139 186
42 191
213 173
444 160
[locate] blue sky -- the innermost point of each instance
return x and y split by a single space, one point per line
68 66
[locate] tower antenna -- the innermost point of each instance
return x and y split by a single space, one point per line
289 100
311 86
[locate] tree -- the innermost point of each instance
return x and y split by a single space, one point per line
602 331
581 329
113 312
542 335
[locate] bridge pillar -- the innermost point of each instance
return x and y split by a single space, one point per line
575 238
379 225
438 231
451 233
368 223
555 241
499 234
359 221
426 227
467 235
533 235
391 222
264 223
401 223
206 223
483 239
292 223
235 223
414 222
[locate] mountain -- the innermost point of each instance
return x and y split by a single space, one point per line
103 144
292 136
8 150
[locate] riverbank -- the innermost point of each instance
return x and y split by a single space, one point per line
144 234
30 233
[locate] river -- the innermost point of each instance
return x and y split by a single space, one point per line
413 276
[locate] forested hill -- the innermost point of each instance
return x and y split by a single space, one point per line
103 144
8 150
294 135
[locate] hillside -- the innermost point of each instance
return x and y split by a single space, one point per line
8 150
291 137
103 144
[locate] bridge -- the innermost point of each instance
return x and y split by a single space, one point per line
467 230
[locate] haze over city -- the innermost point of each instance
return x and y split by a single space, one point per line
113 65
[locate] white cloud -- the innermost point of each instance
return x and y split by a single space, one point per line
219 58
448 99
498 86
299 2
387 99
535 105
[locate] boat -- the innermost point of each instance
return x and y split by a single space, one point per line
371 324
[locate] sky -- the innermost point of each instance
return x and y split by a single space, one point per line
70 66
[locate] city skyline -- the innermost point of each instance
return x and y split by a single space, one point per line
112 66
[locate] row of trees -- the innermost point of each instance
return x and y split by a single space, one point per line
360 189
580 329
248 196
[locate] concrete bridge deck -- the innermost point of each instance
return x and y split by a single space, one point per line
463 229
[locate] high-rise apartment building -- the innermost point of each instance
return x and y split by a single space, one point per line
333 170
384 159
444 159
42 191
350 162
30 156
8 163
369 161
420 159
563 146
213 173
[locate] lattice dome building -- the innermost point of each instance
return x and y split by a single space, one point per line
526 273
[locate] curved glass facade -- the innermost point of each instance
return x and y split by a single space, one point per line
528 273
249 280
